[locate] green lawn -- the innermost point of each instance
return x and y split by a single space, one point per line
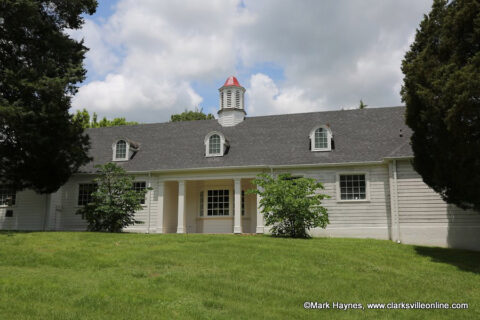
126 276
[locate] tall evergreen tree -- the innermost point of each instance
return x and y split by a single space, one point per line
442 93
40 65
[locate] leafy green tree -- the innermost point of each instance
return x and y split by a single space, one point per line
362 105
40 65
115 201
441 91
83 117
191 115
292 206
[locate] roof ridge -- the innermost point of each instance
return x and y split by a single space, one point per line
253 117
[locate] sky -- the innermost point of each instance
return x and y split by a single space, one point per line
149 59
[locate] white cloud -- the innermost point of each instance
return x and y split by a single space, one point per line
148 54
264 97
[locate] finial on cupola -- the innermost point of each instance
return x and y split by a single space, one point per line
232 105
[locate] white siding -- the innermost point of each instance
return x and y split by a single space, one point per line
66 218
426 219
28 212
230 118
364 219
147 215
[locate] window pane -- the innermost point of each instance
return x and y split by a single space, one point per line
121 150
218 204
85 191
321 138
140 186
214 144
243 203
353 187
7 196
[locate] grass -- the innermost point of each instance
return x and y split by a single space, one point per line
63 275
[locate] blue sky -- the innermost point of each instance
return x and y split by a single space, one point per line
149 59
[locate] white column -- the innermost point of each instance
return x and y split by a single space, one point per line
181 207
260 224
161 185
237 226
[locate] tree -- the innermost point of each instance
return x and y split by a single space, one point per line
83 118
40 145
191 115
114 202
362 105
441 91
291 205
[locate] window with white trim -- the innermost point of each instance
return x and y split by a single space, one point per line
321 139
214 144
7 196
243 202
140 185
201 203
353 187
85 191
121 149
218 202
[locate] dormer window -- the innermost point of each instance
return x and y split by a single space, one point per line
120 150
321 139
214 144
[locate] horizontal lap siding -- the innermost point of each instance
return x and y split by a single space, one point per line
28 212
421 205
66 218
374 213
150 206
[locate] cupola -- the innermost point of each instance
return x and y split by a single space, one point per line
232 103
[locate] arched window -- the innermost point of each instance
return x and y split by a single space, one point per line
214 144
120 150
321 139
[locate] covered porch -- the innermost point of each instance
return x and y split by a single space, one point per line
208 206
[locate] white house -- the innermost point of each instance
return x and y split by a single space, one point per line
199 172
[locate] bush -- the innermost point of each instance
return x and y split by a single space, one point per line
114 202
291 205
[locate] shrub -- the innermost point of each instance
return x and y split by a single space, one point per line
114 202
291 205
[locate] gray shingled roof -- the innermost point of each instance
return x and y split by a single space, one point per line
359 136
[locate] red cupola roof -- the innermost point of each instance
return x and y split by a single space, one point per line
232 81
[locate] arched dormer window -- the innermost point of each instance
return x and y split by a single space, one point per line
214 144
321 139
120 150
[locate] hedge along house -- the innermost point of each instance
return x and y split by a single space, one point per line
200 170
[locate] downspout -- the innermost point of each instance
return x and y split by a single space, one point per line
397 215
149 200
